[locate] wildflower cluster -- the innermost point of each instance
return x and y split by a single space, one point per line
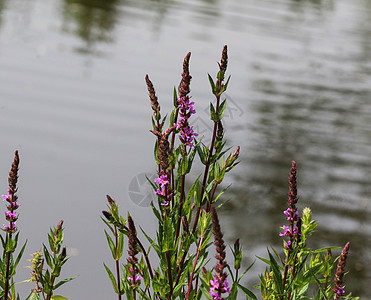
302 266
179 266
181 251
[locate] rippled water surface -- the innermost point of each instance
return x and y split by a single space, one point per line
74 103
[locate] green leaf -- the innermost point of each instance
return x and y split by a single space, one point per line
156 212
47 257
120 246
35 296
190 160
108 225
213 115
58 298
168 235
155 151
234 291
175 98
201 154
212 84
63 282
184 165
247 292
321 250
277 276
111 245
221 110
112 278
19 255
172 116
225 85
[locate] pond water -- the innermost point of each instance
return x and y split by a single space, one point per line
74 103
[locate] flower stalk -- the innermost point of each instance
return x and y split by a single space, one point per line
340 271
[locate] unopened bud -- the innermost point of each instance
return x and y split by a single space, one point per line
111 202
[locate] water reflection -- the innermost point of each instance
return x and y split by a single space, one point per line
2 8
93 21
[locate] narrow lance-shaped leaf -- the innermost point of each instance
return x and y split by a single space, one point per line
111 245
222 108
112 278
277 276
212 84
213 115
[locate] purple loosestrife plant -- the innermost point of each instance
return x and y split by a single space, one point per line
44 280
9 244
179 267
302 267
182 251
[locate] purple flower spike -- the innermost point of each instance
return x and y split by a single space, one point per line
186 108
11 197
216 288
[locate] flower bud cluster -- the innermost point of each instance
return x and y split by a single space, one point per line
340 271
154 101
133 260
11 197
219 284
232 158
293 231
186 108
163 161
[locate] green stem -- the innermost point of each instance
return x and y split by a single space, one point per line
52 279
117 265
6 288
8 257
194 267
207 165
211 198
180 206
170 278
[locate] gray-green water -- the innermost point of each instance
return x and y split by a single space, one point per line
74 103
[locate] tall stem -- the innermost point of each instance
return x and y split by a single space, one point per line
117 265
170 277
180 206
194 267
52 279
207 165
8 256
